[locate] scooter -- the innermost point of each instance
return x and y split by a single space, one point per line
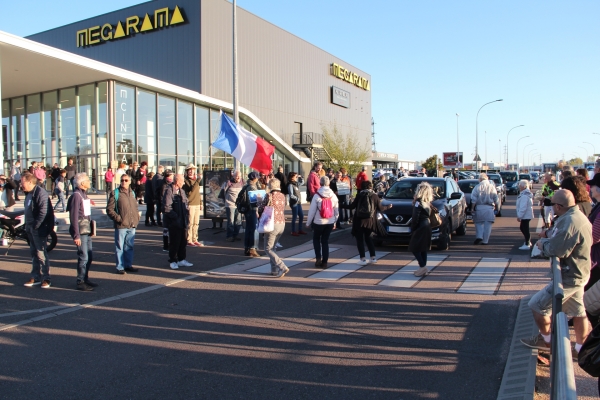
13 224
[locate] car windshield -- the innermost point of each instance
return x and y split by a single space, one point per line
525 176
467 187
509 177
406 188
494 178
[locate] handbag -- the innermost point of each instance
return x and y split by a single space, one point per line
266 223
435 221
589 355
85 226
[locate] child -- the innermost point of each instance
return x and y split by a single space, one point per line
59 189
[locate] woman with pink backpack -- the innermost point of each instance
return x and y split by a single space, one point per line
322 215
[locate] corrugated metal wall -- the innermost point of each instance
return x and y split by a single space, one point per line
282 78
169 54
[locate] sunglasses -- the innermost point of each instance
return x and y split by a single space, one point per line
124 180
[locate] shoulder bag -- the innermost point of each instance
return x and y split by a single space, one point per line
435 221
266 223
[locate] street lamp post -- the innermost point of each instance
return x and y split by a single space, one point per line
593 147
457 143
518 126
529 155
533 156
518 150
524 147
587 154
477 131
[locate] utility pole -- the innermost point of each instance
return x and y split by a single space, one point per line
374 147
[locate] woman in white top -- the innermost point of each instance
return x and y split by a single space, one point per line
525 212
323 213
484 199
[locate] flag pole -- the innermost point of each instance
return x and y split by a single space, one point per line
236 117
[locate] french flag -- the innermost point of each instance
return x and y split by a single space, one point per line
248 148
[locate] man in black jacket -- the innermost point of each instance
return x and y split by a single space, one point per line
177 219
157 182
39 221
122 208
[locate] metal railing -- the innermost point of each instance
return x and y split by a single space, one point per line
562 375
307 138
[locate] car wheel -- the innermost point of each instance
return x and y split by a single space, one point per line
444 240
462 230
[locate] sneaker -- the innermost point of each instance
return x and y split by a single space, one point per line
524 247
131 269
84 287
174 265
229 239
282 272
295 234
318 262
373 260
421 271
46 284
191 245
121 271
477 241
278 245
199 244
536 342
363 262
92 284
185 263
302 233
32 282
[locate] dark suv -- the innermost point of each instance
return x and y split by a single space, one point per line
448 199
511 180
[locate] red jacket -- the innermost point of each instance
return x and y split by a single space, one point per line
360 178
314 182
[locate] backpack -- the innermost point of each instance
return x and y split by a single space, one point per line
326 207
364 208
242 200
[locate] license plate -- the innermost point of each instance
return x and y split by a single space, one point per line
399 229
469 217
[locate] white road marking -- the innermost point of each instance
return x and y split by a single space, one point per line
342 269
405 278
290 261
39 310
485 276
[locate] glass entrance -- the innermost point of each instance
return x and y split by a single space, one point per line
88 165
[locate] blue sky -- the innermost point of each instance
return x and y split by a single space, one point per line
429 60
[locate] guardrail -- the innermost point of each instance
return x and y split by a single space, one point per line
562 375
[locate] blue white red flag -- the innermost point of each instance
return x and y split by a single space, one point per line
248 148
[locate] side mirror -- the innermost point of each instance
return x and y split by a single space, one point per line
455 196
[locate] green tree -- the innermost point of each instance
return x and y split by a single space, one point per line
575 161
429 164
345 150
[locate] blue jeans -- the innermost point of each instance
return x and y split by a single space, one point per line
321 240
297 212
61 200
40 266
124 245
234 221
67 183
251 234
84 258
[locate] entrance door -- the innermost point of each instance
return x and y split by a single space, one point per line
87 164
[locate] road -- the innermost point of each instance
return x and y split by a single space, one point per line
235 333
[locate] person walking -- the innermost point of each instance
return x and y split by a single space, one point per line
149 200
109 177
275 199
295 204
54 174
232 189
157 182
484 199
71 171
550 185
39 221
59 190
323 213
360 178
192 188
177 221
251 215
525 212
312 183
140 181
571 243
420 237
79 209
122 209
366 204
15 175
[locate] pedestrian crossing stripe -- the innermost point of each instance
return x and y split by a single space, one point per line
290 261
342 269
405 278
485 277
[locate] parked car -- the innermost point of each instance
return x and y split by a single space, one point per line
466 186
511 180
448 199
500 186
535 176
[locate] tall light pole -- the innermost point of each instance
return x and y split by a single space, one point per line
236 117
593 147
457 143
587 154
477 131
529 155
518 126
532 157
518 150
524 147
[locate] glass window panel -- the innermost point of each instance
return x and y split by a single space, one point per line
185 133
167 161
166 125
68 129
215 127
102 135
34 126
125 123
50 116
202 136
5 125
87 119
17 128
146 123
